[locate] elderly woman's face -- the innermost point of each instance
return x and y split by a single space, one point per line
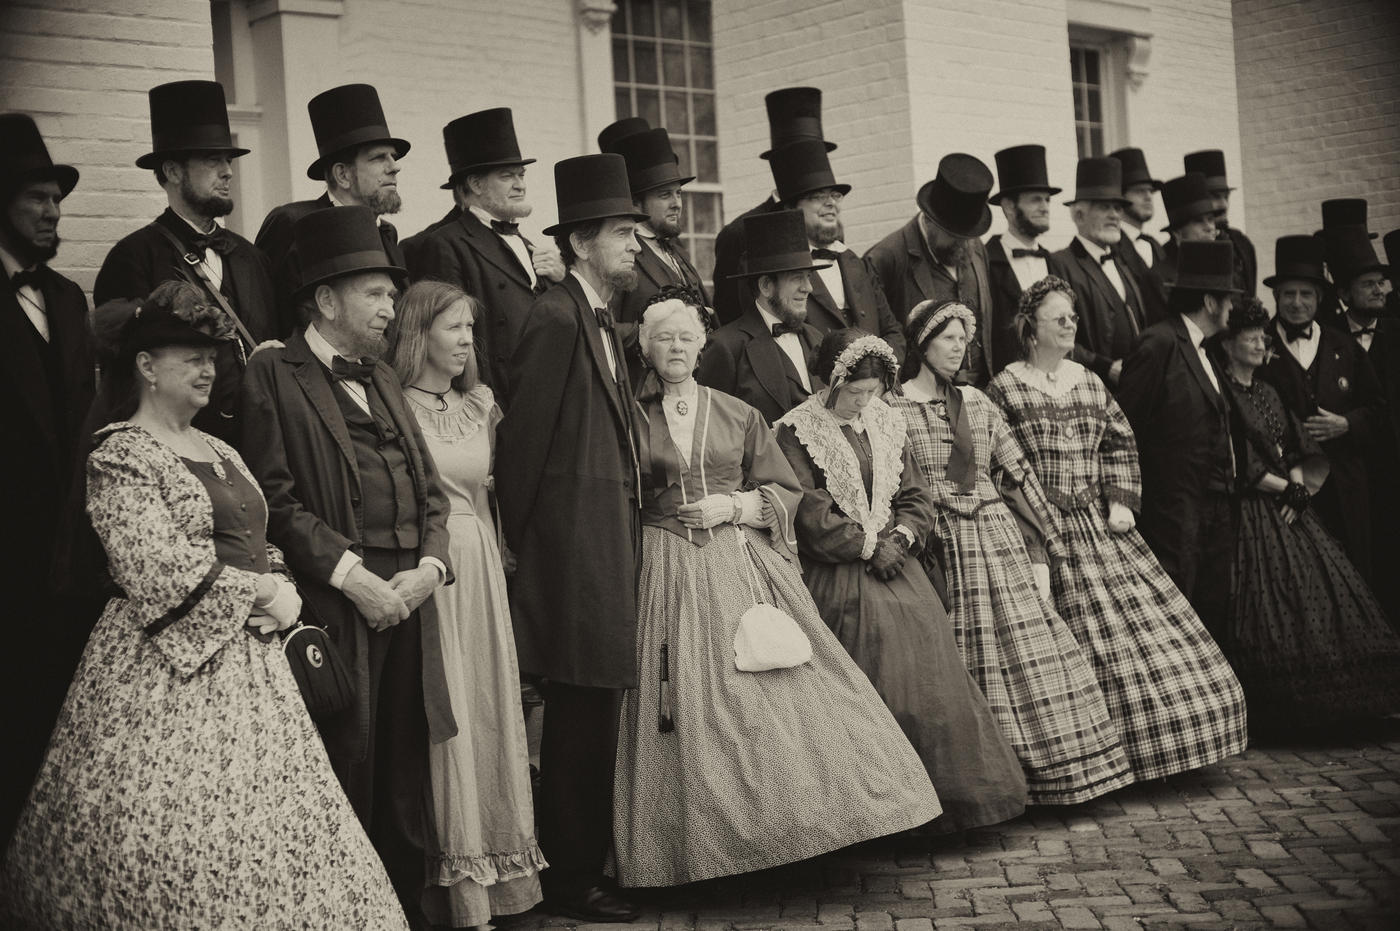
1247 348
673 344
944 353
178 377
449 340
855 396
1056 323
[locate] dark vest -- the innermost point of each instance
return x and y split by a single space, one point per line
389 507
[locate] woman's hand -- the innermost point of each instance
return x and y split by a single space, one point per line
1041 571
278 611
888 558
1288 514
709 511
1120 518
755 511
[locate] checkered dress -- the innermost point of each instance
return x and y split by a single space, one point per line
1175 699
1038 682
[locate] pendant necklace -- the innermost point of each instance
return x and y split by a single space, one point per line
441 396
682 408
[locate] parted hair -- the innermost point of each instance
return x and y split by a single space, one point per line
420 306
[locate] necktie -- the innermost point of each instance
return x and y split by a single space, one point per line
1106 258
25 276
825 255
1364 331
780 328
1292 333
605 319
1038 253
505 227
343 369
219 240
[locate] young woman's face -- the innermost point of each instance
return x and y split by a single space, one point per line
449 341
944 353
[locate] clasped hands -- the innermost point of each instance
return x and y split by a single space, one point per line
386 603
276 604
713 510
1325 425
891 549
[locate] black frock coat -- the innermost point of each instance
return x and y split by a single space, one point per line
1342 380
146 258
1108 326
732 294
1246 263
866 308
1006 303
628 306
566 478
744 360
461 250
1149 280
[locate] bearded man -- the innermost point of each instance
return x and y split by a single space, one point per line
192 156
1138 250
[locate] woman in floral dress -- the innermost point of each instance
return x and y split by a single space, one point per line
1019 650
1175 700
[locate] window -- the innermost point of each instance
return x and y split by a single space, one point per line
663 71
1100 70
1086 77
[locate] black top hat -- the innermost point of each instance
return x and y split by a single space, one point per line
347 117
621 129
336 241
485 139
1135 171
24 158
1343 212
651 162
1186 198
592 187
802 167
1021 168
1391 241
956 198
1206 265
1211 163
794 115
776 242
188 116
1098 179
1350 253
1297 257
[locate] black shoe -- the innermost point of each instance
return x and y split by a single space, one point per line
593 904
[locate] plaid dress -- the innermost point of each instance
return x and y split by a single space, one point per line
1175 699
1037 680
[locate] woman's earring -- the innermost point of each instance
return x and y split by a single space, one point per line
153 384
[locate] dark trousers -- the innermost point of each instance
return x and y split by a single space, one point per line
578 749
1200 556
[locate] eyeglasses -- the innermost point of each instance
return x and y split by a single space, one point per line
1064 320
1255 339
830 195
685 339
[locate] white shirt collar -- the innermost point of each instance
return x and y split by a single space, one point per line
10 262
1094 249
645 231
1194 332
838 246
336 202
319 347
594 301
1353 326
769 318
484 215
1018 243
190 223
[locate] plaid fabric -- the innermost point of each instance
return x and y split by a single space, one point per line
1175 699
1038 683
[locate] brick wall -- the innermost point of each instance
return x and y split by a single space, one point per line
1319 96
81 68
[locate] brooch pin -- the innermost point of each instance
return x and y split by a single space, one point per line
1343 383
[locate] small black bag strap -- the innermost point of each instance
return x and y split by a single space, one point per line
192 261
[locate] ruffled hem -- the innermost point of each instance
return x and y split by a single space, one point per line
487 869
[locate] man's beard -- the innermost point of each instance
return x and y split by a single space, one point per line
368 345
206 205
783 312
1222 222
1028 229
503 208
666 227
623 280
950 254
825 235
26 251
383 200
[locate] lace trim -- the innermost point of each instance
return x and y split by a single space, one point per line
486 869
1066 379
477 411
820 433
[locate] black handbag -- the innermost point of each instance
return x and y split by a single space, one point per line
325 683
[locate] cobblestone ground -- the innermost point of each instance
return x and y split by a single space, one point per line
1284 836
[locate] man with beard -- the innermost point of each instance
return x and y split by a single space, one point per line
765 357
1137 250
1211 163
192 156
1190 218
478 246
46 383
567 477
359 161
354 503
1017 260
1111 310
1340 215
845 293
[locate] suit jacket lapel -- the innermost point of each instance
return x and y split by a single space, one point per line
1193 362
593 336
490 247
821 296
23 363
918 258
765 358
1094 270
66 334
310 374
654 267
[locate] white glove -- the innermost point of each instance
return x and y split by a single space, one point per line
1120 518
1042 579
708 512
279 613
755 509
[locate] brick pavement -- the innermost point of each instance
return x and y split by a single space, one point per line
1284 836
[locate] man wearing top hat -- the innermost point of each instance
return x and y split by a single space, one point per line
1211 163
192 155
46 383
1323 376
1340 216
567 480
766 356
354 503
358 159
794 115
1112 314
1190 218
478 246
1017 260
1174 396
1138 250
616 131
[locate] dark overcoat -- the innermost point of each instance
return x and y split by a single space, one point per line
145 258
743 359
461 250
866 306
628 306
295 441
1109 327
1246 263
1149 279
566 478
1006 303
732 294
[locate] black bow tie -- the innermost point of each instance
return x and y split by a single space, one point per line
1038 253
1106 257
1364 331
25 276
780 328
1294 332
605 318
219 241
825 255
343 369
506 227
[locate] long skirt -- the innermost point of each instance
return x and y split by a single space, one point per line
760 769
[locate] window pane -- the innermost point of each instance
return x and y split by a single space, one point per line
701 207
1096 141
622 69
704 107
701 74
643 19
673 62
702 255
622 102
644 54
671 19
706 161
649 106
699 15
682 149
1076 65
1095 108
1091 66
677 123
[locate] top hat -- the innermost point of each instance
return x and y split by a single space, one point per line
1135 171
1021 168
592 187
776 242
802 167
1297 257
485 139
1186 198
651 162
1349 254
1342 212
1211 163
336 241
188 116
1098 179
794 115
345 117
25 159
621 129
1206 265
1391 241
956 198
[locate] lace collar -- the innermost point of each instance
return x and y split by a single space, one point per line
1062 383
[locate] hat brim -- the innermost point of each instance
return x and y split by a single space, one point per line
798 195
316 171
1349 275
575 221
484 166
1123 201
809 267
830 147
65 175
651 186
1194 286
153 160
1273 281
995 199
393 271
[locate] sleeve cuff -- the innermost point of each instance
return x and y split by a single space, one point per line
436 564
907 534
347 562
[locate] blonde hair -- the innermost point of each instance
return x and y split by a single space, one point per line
418 309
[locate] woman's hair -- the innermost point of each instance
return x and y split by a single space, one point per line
665 302
919 317
869 365
1249 315
418 309
1031 299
